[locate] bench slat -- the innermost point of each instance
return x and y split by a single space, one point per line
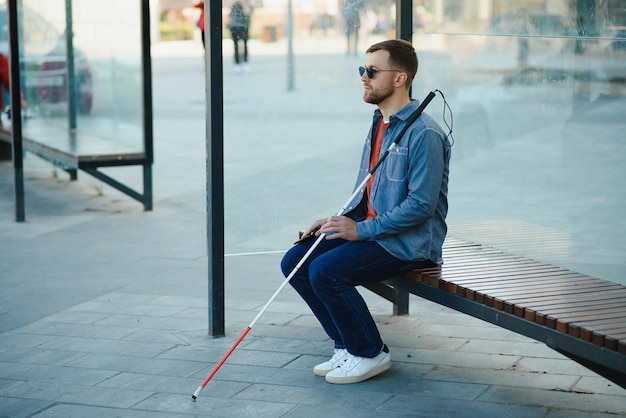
508 301
527 285
565 283
538 285
478 290
585 329
593 311
570 298
540 313
443 280
537 278
460 276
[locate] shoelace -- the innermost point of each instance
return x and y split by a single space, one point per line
350 362
338 356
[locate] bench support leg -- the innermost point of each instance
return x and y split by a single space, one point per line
6 151
147 187
73 173
145 198
393 294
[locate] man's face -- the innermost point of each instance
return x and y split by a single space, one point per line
380 86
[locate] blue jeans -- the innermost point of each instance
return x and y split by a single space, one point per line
327 282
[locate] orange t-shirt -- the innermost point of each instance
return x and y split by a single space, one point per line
376 146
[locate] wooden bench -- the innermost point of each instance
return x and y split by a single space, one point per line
577 315
81 149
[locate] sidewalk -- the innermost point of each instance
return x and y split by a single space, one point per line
103 307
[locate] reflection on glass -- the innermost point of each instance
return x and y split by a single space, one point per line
537 93
105 86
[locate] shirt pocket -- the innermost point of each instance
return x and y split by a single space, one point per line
396 165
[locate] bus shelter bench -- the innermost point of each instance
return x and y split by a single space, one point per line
580 316
73 150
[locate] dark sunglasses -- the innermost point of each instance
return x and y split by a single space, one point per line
371 72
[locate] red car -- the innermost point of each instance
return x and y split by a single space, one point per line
45 80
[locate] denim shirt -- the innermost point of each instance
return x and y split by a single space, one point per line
410 190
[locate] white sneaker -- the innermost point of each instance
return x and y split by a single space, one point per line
237 68
336 360
357 369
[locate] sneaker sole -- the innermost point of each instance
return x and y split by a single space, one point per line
356 379
321 373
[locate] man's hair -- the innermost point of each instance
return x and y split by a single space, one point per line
402 56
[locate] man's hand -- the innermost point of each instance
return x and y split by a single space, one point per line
339 227
314 229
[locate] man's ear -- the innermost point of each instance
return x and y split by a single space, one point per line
400 79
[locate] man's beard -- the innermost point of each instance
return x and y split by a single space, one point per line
377 97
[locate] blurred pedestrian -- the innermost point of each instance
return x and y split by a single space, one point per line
200 5
239 26
351 11
5 84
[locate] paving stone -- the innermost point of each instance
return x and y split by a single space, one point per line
569 413
557 399
76 330
407 380
455 358
424 342
313 411
77 394
359 399
19 408
96 412
484 330
121 363
437 407
558 364
209 405
261 358
156 336
45 373
106 346
155 322
71 317
506 377
597 384
154 309
27 355
537 349
173 385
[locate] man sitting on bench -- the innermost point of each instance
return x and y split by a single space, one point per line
396 224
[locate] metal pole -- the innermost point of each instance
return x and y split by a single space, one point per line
290 65
16 111
148 146
404 24
71 76
215 165
404 20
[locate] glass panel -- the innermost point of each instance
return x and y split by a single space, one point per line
538 122
107 77
537 89
294 124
